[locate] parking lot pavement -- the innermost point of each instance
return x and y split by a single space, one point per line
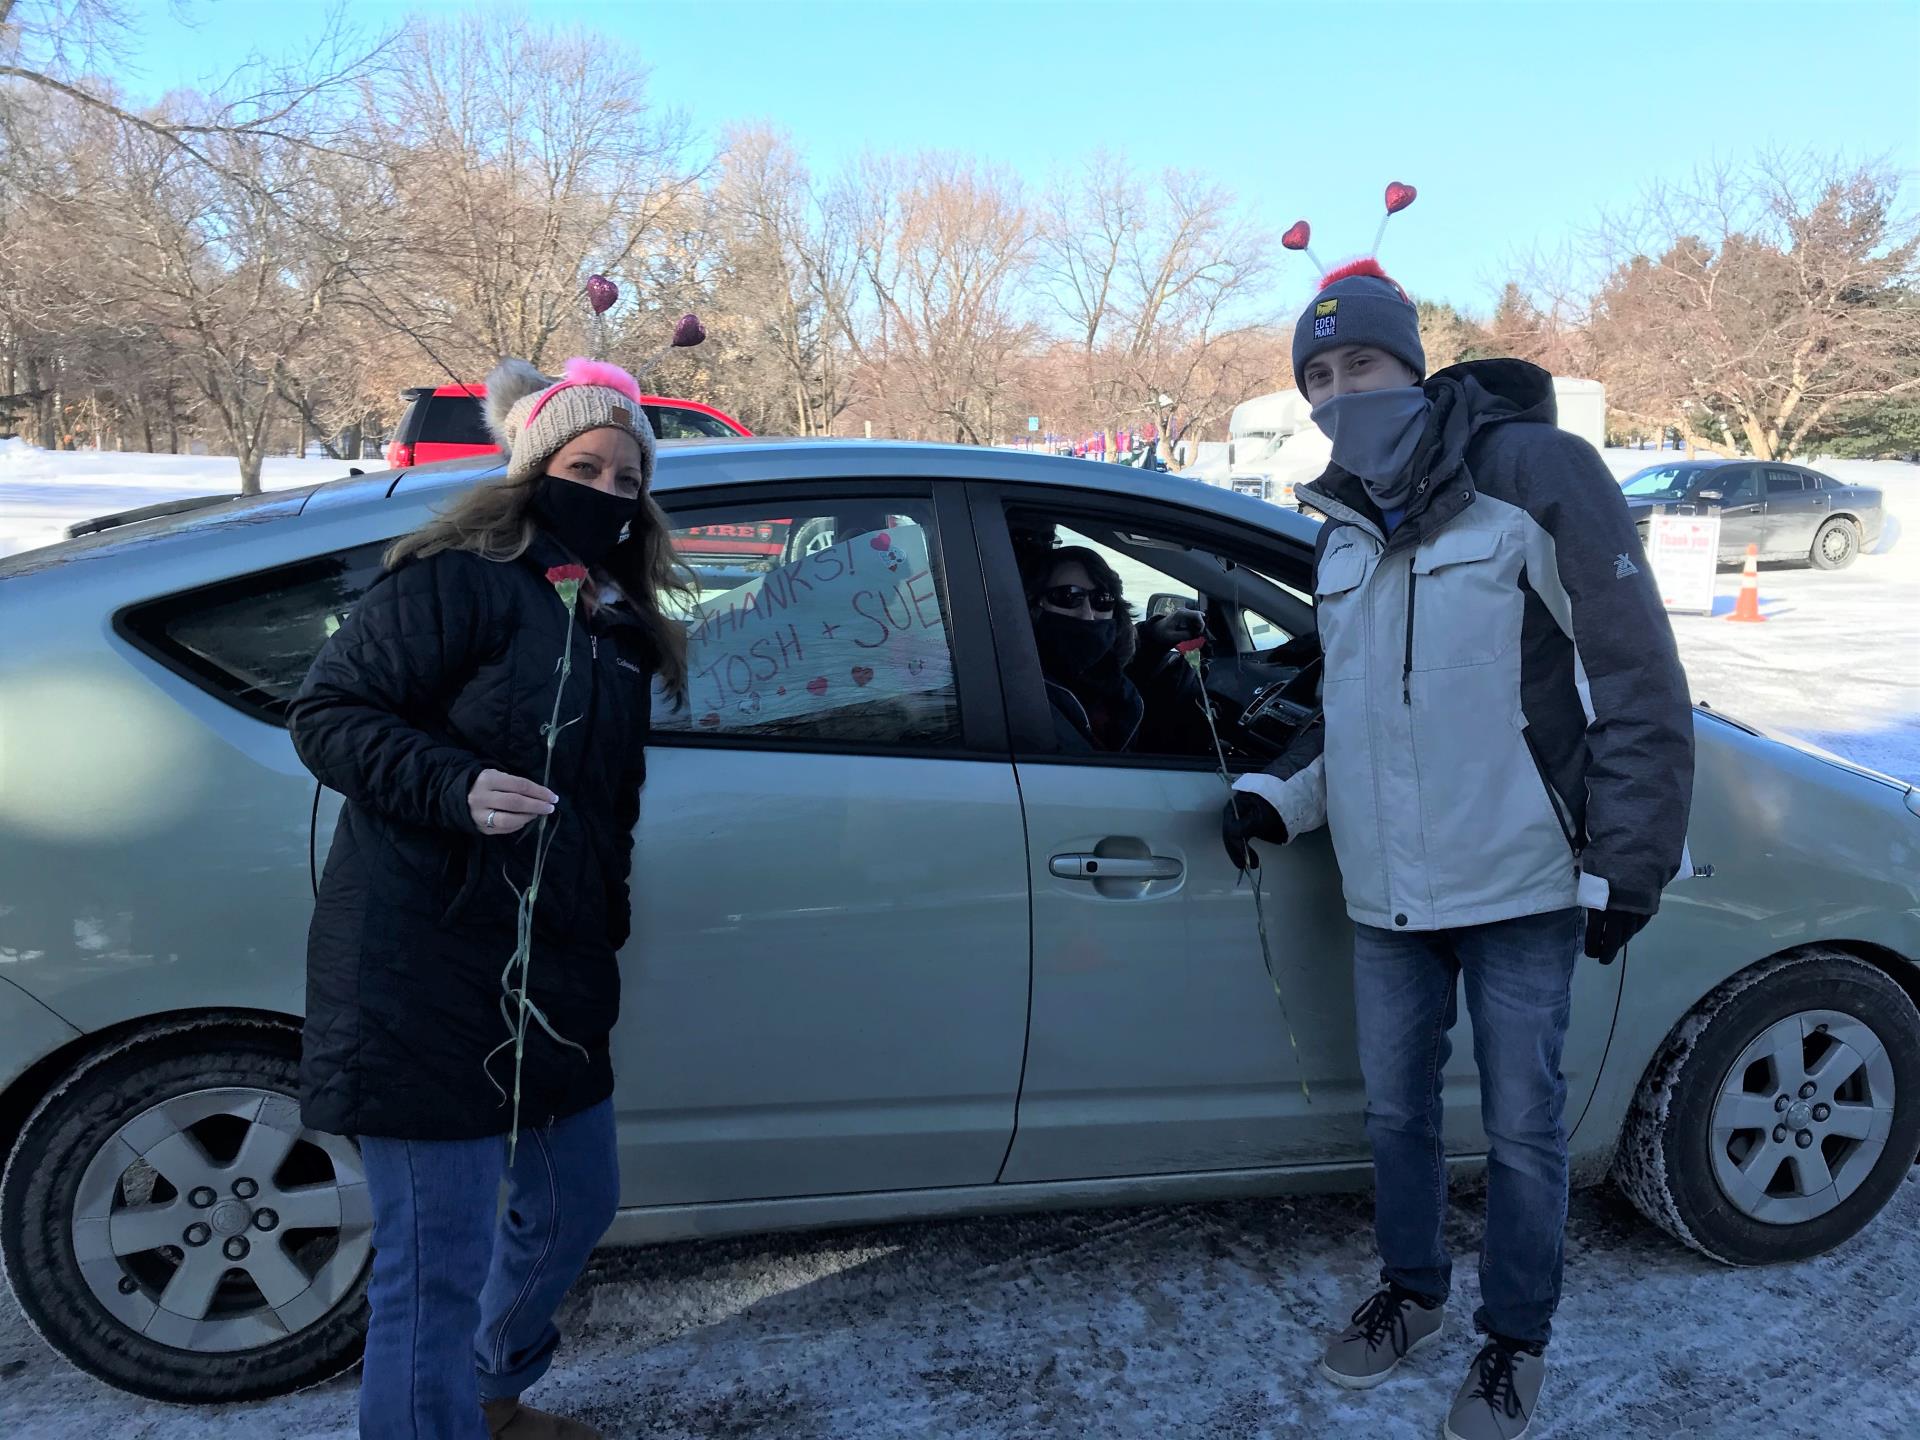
1193 1322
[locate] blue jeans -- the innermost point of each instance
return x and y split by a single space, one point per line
1519 975
463 1294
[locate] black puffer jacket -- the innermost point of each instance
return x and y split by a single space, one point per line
447 667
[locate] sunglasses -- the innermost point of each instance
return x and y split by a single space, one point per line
1070 597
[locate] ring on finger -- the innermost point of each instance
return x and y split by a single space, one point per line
490 815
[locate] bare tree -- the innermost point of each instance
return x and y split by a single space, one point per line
775 290
1755 301
525 159
943 246
1149 277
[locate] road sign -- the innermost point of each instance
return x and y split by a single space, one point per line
1684 551
1033 422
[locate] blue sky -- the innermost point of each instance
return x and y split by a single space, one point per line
1517 120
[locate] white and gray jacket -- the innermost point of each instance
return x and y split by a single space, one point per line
1507 726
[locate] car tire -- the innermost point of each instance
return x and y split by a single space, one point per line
1691 1162
815 535
1836 546
266 1302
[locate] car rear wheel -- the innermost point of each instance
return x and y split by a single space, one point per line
1837 545
170 1227
1783 1113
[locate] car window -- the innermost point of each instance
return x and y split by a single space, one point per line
1670 482
1151 591
1786 482
453 420
1250 618
671 422
829 624
1736 483
252 640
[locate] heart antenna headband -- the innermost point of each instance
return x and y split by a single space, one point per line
1298 236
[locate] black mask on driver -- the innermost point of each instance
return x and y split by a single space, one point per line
1070 646
587 521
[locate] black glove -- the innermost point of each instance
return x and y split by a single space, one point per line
1163 632
1249 817
1608 932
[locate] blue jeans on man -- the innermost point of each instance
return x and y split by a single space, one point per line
1519 975
464 1294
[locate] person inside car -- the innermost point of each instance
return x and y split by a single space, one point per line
1114 687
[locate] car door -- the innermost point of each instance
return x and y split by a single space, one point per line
826 987
1158 1043
1741 509
1795 507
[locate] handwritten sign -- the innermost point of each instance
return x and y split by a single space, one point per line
1684 551
847 626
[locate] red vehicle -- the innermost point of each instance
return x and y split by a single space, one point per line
446 422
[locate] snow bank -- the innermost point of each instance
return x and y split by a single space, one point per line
44 491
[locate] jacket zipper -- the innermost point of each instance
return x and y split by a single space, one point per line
1406 670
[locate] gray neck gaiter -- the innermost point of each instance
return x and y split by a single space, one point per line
1374 435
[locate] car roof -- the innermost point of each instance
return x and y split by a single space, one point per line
478 391
701 464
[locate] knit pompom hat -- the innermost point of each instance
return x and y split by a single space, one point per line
532 417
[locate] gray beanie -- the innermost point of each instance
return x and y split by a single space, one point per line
1359 306
533 417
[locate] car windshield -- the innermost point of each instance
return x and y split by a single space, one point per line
1672 482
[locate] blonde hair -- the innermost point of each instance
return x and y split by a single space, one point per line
491 521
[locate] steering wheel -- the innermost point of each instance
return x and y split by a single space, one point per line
1278 714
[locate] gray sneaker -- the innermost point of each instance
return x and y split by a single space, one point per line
1497 1398
1385 1330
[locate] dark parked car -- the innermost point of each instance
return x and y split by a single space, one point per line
1789 511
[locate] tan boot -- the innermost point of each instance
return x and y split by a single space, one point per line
508 1419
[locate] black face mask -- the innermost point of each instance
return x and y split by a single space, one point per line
1070 646
585 520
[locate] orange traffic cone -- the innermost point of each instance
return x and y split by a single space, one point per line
1748 608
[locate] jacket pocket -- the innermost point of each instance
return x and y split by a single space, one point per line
1546 783
1470 606
1338 593
472 868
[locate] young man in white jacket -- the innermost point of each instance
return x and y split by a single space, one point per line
1506 765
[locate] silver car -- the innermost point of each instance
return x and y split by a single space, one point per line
895 955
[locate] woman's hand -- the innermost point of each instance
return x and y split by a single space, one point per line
501 803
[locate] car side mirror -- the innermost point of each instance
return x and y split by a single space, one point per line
1713 495
1163 604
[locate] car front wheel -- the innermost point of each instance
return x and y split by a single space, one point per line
1782 1114
170 1227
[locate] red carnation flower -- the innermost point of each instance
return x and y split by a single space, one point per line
566 572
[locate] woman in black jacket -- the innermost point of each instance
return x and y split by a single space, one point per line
429 711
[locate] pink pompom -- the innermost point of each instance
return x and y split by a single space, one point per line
582 371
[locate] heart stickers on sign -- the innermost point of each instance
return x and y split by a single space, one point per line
817 686
863 675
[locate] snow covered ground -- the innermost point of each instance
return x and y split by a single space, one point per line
1199 1322
43 491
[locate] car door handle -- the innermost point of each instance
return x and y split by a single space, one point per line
1109 867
